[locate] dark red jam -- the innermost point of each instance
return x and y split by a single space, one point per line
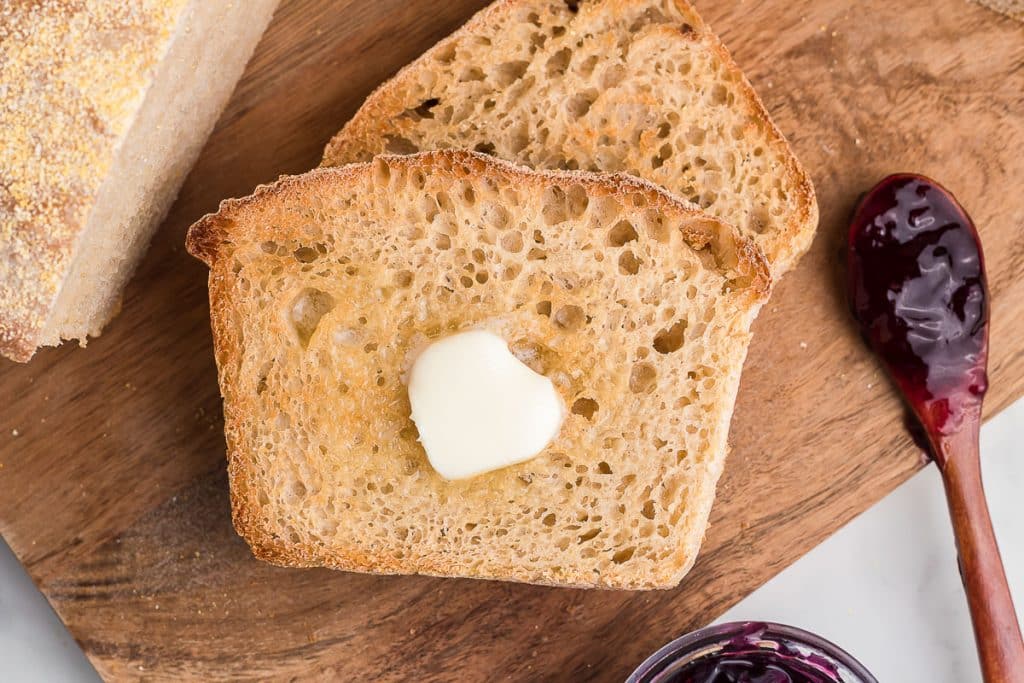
743 661
750 652
917 289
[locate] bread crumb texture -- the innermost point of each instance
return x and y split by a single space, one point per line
640 86
72 75
636 305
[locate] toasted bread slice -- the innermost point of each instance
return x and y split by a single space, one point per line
640 86
324 286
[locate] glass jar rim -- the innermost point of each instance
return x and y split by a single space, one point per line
704 641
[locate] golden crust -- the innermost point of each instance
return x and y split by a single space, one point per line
206 235
72 76
380 115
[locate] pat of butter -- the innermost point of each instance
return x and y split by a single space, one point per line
478 408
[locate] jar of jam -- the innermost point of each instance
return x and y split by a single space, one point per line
751 652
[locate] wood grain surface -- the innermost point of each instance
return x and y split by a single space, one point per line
112 482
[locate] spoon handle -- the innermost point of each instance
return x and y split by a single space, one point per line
996 629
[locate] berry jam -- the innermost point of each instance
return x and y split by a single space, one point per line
750 652
742 660
917 289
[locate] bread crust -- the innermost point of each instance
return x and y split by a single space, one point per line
214 239
788 239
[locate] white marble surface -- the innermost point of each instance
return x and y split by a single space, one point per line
885 587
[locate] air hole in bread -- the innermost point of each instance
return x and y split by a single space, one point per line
621 233
612 76
512 242
663 155
569 318
586 67
507 73
554 206
536 255
558 62
544 308
604 468
549 519
719 95
424 110
629 264
585 407
403 278
397 144
446 55
418 179
670 339
588 535
572 5
651 15
481 277
642 378
579 104
381 173
471 73
442 242
466 281
486 147
306 311
623 555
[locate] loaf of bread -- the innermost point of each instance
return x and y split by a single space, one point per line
641 86
104 106
636 305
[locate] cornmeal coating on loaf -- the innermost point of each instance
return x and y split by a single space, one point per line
71 79
638 86
637 306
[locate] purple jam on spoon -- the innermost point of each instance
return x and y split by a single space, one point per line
917 289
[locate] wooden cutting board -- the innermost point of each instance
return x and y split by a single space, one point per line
112 483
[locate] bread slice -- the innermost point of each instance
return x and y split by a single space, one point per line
104 107
324 286
641 86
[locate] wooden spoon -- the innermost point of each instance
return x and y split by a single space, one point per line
917 288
